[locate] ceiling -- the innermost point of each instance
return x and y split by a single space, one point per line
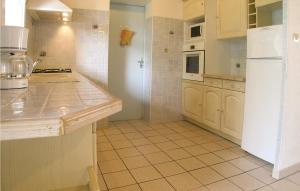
131 2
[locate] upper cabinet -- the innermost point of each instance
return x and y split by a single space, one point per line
231 18
193 9
261 3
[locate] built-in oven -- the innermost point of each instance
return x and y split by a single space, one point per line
194 32
193 61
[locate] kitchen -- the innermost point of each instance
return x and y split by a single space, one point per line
200 107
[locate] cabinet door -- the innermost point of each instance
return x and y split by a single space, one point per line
192 99
232 18
232 113
212 107
193 9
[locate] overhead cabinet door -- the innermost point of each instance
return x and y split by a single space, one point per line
192 99
212 107
232 18
193 9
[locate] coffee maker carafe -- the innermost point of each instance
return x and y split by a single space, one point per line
16 66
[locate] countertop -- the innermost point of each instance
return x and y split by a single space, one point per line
226 77
54 105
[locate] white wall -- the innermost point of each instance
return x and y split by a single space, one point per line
289 148
165 8
102 5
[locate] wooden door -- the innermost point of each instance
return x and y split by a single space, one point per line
212 107
232 113
231 18
192 100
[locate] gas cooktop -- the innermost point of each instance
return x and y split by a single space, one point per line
53 70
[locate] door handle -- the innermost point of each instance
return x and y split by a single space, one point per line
141 63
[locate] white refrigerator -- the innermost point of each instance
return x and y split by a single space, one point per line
264 75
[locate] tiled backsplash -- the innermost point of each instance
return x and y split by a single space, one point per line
81 44
165 63
238 55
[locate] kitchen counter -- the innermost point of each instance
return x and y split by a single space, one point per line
226 77
54 105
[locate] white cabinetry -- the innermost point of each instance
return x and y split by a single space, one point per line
231 18
193 9
192 100
232 113
212 107
220 109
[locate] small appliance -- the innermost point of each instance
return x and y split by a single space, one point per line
264 76
194 32
193 61
16 66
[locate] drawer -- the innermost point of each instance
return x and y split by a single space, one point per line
213 82
233 85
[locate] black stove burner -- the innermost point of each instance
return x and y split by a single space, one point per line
53 70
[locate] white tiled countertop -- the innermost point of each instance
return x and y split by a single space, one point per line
53 105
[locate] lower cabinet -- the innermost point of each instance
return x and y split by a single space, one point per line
232 113
192 100
212 107
219 109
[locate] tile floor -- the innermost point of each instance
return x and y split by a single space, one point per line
135 156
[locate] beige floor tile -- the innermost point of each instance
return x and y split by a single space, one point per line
212 147
150 133
159 157
119 137
140 142
128 188
175 136
167 146
128 152
196 150
206 175
246 182
191 163
244 164
266 188
112 166
285 185
295 178
121 144
200 140
134 135
177 154
112 131
157 126
226 169
223 185
169 168
107 155
189 134
183 182
184 143
239 151
147 149
158 139
256 160
263 175
227 154
118 179
101 183
104 147
102 139
136 162
199 189
210 159
145 174
226 144
165 131
156 185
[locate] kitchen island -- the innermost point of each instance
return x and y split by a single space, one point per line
48 132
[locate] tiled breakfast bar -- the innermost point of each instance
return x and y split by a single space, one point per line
48 132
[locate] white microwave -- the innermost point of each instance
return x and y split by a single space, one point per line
196 32
193 61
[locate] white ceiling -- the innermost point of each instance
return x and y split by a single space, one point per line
131 2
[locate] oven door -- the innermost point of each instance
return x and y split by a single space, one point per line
193 65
